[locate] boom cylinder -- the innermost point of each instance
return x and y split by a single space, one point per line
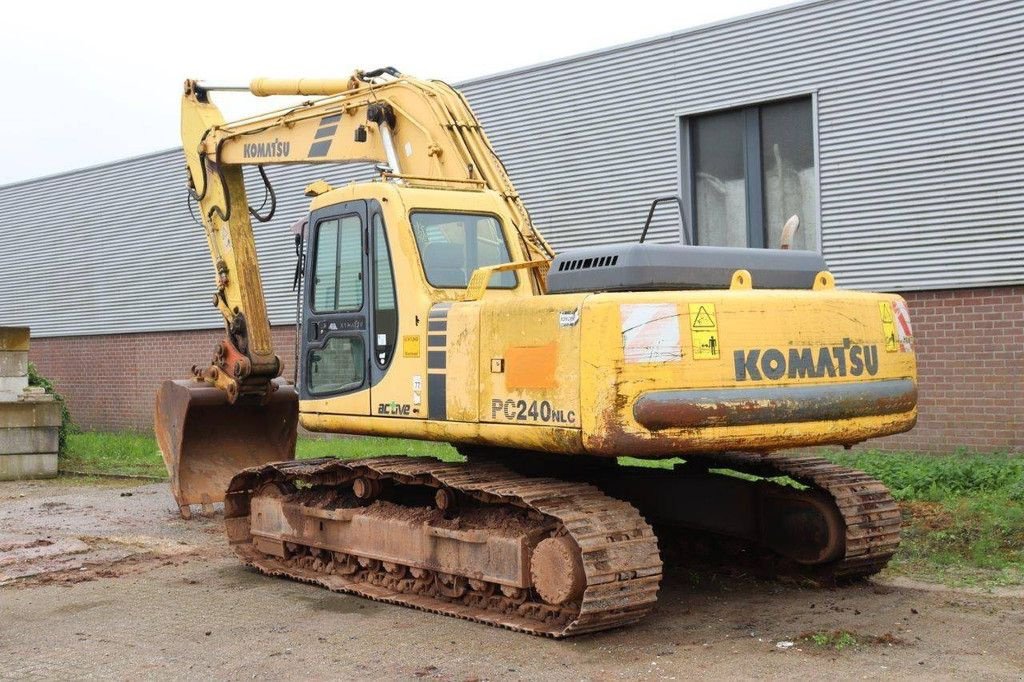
265 87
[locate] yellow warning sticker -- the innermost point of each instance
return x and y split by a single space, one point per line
411 346
704 331
888 326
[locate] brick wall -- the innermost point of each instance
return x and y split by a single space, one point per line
110 381
970 345
970 355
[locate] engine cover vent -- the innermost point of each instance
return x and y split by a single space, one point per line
588 263
673 267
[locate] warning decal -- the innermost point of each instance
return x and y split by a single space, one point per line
901 319
704 331
650 332
892 343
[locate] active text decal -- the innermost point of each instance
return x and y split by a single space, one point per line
393 408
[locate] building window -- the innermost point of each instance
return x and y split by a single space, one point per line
750 169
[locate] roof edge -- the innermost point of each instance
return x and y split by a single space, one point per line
92 167
663 37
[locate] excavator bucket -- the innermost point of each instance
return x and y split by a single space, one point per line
205 440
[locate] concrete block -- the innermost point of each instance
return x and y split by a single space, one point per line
35 394
28 465
13 363
27 440
11 388
14 338
22 414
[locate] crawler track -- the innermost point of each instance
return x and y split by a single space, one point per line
871 516
619 551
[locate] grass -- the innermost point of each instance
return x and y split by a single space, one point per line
963 513
838 640
347 448
125 454
135 454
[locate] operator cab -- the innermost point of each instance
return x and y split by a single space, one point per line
377 259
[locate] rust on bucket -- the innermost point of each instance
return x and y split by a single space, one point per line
205 439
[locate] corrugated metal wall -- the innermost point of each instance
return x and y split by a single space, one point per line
920 144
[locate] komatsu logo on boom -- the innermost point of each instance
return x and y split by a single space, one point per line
262 150
848 359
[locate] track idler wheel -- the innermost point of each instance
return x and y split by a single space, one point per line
802 526
556 570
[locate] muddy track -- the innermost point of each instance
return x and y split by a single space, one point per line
870 514
619 551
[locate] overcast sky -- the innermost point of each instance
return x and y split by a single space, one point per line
89 82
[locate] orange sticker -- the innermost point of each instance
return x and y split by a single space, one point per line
530 366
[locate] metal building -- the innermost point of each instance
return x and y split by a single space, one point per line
894 129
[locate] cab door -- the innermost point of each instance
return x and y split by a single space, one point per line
335 331
390 390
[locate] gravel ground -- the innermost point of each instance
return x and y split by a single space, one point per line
104 581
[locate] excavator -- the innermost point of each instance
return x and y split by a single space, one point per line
606 399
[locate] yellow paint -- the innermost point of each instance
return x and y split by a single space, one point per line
751 319
598 387
536 323
560 440
481 277
704 331
463 362
892 344
568 384
411 346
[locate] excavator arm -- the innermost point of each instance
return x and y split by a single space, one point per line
417 132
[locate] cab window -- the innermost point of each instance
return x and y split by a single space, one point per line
385 314
453 245
337 367
338 266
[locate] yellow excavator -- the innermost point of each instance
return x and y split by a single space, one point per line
433 309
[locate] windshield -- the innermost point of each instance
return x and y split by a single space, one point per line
453 245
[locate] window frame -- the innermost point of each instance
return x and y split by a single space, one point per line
375 293
316 253
344 388
752 151
469 275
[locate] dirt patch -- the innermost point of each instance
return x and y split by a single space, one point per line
200 614
68 534
931 516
